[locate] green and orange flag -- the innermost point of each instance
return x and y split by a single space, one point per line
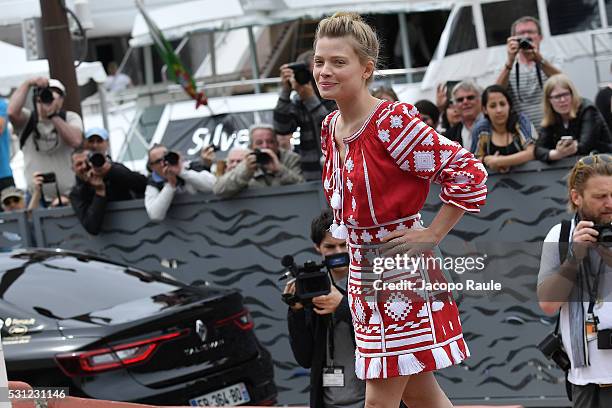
177 72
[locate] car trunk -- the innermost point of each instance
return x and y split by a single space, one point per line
196 332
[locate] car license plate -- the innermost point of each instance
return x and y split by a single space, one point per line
236 394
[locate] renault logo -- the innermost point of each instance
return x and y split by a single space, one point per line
201 330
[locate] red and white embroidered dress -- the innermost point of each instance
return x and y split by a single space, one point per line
381 187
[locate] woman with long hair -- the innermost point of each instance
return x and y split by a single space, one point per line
379 161
502 138
571 125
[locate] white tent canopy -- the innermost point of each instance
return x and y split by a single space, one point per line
178 20
18 69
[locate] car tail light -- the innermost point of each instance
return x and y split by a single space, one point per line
109 358
243 320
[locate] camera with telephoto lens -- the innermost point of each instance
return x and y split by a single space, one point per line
605 232
96 159
552 348
44 94
301 72
171 158
311 280
525 43
262 158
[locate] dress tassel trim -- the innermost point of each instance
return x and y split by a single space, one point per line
374 368
441 358
409 364
456 352
437 358
360 367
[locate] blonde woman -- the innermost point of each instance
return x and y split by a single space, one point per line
379 161
571 125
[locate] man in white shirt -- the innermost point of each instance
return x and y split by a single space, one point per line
578 282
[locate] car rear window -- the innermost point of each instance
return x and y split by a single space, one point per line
68 287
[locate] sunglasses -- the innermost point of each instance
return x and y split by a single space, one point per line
11 200
462 98
594 159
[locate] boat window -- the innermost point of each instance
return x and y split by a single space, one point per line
573 16
609 12
463 32
499 16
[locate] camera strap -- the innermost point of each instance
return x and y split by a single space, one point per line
330 339
538 74
593 287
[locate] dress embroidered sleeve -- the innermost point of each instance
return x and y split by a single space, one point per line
420 150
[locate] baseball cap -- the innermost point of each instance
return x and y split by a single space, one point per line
56 83
11 192
96 131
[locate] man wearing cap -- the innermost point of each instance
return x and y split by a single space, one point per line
46 138
96 140
12 199
98 184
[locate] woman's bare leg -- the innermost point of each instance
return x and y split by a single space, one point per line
385 392
422 391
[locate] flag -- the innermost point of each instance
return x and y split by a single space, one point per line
176 70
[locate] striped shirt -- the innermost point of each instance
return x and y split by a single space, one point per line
527 97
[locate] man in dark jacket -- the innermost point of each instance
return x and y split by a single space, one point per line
96 186
305 110
321 334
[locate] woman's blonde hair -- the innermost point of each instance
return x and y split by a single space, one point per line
583 170
365 41
562 81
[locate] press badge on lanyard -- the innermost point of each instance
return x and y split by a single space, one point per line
333 376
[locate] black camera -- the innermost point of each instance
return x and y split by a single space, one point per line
301 72
96 159
552 348
311 280
172 158
48 178
44 94
605 232
604 339
525 43
262 158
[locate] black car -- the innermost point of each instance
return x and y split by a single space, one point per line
110 331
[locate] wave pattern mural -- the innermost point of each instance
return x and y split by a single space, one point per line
239 243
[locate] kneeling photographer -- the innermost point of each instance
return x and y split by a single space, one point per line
170 175
266 165
575 280
320 327
99 181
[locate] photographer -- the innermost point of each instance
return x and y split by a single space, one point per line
525 70
267 165
48 134
321 334
575 277
98 182
305 110
96 140
38 199
169 176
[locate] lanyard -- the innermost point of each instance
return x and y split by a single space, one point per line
592 290
330 339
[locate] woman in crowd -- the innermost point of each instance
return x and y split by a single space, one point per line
380 159
571 124
503 138
385 93
429 112
450 116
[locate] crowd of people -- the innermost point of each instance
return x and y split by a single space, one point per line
532 112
